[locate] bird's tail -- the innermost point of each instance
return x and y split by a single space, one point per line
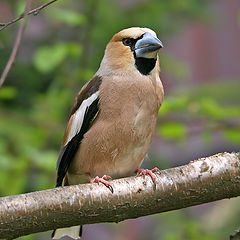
74 232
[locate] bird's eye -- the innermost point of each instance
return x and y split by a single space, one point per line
127 41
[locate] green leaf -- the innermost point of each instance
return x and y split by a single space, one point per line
74 49
69 17
8 93
172 130
20 7
87 74
212 109
173 104
232 134
49 57
45 160
172 236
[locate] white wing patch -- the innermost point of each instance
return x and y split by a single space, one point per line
79 115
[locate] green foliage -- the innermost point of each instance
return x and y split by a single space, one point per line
172 130
190 231
206 107
210 108
8 93
19 7
232 134
176 225
68 17
47 58
174 104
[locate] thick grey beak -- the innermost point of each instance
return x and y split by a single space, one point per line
148 46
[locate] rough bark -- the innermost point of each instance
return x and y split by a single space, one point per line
16 44
201 181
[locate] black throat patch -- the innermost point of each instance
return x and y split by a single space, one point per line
145 65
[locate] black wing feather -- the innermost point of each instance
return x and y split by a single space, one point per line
68 152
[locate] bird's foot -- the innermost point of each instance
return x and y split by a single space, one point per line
151 173
104 180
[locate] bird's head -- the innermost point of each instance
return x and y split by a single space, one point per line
133 49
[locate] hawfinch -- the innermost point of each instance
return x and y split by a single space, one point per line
113 118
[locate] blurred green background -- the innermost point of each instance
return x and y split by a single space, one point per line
61 50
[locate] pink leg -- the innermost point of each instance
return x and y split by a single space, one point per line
102 180
151 173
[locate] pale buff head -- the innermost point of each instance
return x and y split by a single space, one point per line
133 49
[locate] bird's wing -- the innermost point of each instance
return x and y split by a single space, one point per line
83 112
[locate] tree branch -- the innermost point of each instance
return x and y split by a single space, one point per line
201 181
16 45
34 11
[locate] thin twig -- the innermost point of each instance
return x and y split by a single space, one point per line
34 11
16 45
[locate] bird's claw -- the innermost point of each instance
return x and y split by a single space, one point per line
151 173
104 180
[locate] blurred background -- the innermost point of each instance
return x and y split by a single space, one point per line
61 50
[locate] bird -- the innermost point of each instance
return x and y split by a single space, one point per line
114 116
